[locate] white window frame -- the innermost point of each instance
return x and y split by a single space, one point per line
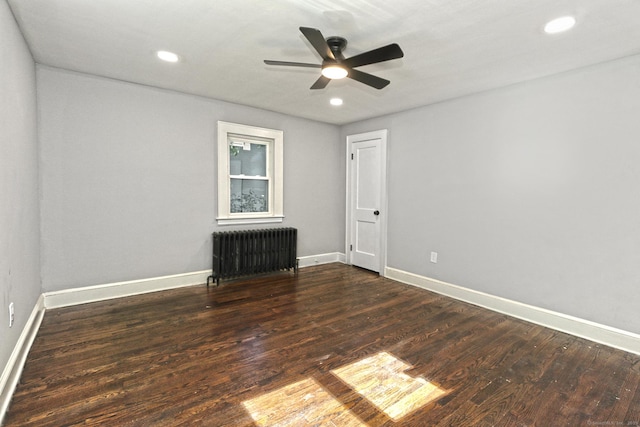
274 140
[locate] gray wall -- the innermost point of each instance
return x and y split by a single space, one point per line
530 192
19 212
129 179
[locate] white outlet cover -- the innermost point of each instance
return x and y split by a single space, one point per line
434 257
11 314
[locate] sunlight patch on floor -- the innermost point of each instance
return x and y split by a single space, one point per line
298 404
382 381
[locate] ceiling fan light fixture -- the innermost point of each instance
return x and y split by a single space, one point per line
334 71
559 25
336 101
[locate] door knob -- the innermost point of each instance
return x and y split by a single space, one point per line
376 212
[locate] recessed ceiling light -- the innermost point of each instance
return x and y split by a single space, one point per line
559 25
335 101
168 56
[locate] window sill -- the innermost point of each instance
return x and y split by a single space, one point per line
244 221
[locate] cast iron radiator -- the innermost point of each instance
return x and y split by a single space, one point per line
247 252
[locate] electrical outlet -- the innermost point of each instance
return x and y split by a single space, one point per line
12 315
434 257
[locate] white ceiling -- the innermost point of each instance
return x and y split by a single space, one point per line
452 47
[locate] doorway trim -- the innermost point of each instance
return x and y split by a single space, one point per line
351 139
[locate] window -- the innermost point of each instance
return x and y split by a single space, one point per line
249 174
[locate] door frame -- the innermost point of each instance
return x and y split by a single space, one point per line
384 208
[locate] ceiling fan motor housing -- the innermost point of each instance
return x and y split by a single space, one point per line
337 45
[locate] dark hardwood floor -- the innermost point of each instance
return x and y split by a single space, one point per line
192 356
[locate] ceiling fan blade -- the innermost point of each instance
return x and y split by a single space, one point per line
292 64
321 83
368 79
385 53
318 42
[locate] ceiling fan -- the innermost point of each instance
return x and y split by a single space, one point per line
336 66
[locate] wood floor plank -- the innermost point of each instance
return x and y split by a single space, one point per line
192 356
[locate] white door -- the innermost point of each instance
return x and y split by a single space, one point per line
367 163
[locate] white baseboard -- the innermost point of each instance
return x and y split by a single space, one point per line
612 337
107 291
13 368
308 261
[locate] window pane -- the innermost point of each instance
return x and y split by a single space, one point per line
249 195
247 158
